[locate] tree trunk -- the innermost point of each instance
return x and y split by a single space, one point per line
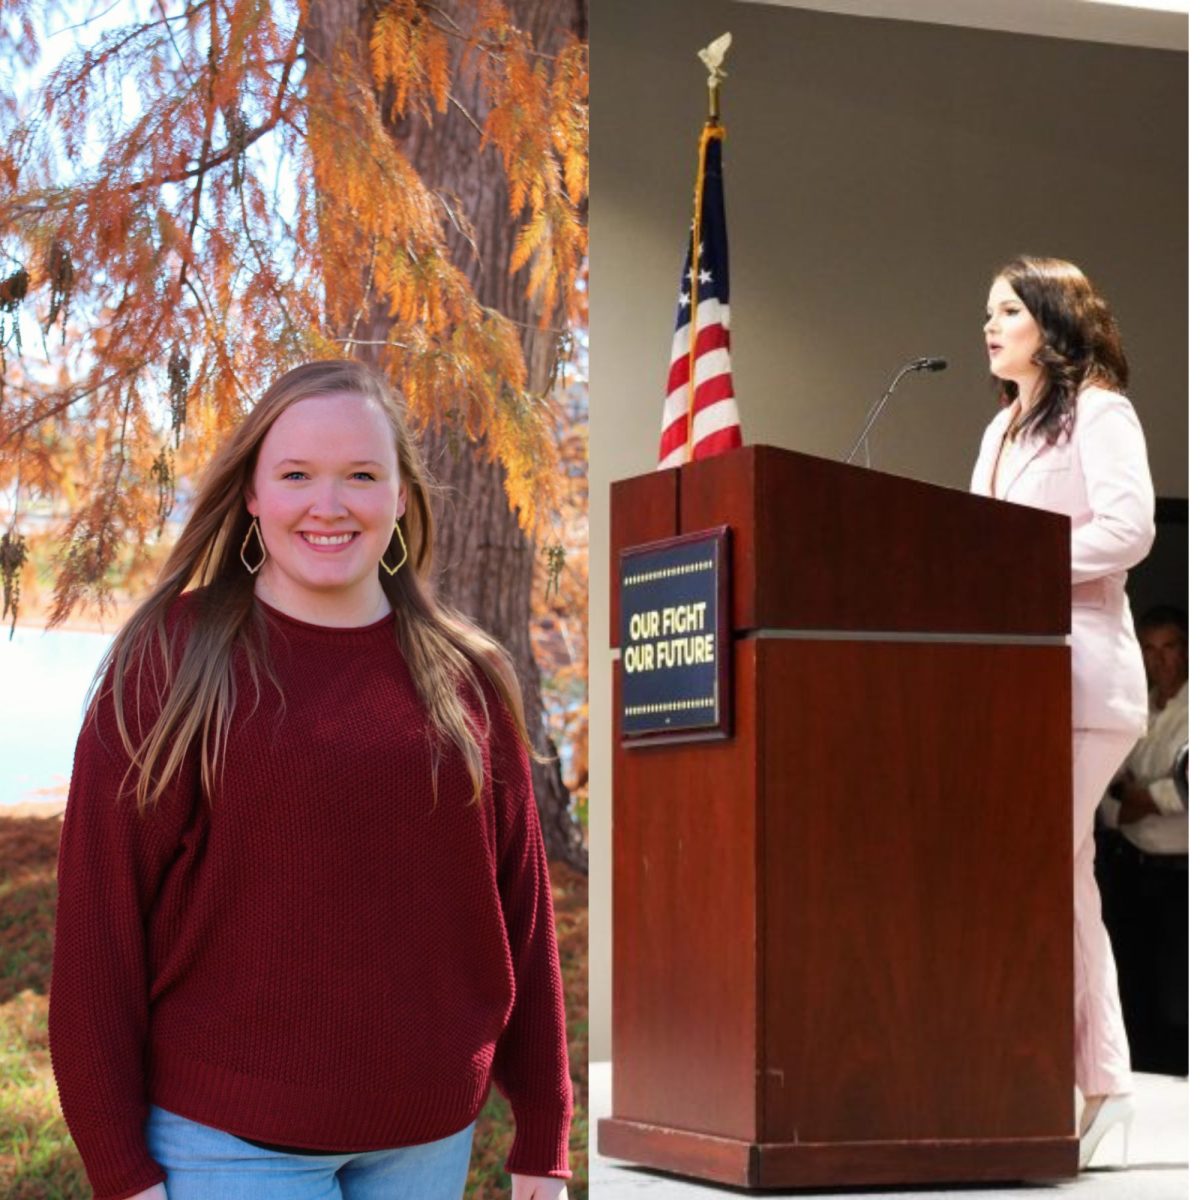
484 562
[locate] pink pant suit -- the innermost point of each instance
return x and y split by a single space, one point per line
1100 479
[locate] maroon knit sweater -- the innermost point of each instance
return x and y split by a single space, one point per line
324 956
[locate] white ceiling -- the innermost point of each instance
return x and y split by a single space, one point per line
1157 24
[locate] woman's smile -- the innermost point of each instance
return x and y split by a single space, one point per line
325 542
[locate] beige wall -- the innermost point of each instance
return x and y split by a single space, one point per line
876 173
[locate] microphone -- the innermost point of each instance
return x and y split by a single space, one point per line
917 364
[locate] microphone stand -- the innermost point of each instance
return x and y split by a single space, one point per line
916 365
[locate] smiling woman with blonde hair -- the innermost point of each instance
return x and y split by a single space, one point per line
304 912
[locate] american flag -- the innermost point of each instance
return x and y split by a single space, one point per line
701 375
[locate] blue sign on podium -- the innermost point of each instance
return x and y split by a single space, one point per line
675 635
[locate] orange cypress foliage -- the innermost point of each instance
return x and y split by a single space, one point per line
409 54
568 120
179 189
538 122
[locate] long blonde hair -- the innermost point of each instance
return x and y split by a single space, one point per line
194 701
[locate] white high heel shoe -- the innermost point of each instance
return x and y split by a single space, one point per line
1115 1110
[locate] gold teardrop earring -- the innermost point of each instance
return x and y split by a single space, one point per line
403 558
254 529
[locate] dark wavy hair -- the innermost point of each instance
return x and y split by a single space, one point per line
1080 341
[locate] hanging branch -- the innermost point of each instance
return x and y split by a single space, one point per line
12 291
179 374
60 271
13 554
162 471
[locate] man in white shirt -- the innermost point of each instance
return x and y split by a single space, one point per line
1144 801
1142 857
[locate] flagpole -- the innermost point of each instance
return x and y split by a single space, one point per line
697 209
712 56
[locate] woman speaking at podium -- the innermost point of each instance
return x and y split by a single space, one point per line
1067 439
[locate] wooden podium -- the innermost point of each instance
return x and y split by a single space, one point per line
842 938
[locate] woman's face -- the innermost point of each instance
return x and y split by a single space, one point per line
327 493
1012 335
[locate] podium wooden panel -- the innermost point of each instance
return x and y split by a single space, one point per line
842 938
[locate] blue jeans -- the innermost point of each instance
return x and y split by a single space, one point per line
203 1163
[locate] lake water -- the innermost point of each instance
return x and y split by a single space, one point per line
44 679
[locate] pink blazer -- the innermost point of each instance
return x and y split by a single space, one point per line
1100 478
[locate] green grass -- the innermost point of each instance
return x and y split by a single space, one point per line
38 1160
